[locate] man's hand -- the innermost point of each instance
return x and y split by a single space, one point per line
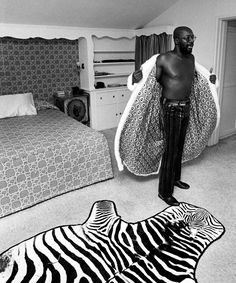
212 77
137 76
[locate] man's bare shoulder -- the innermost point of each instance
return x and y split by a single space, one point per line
164 57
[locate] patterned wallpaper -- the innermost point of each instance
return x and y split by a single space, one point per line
37 65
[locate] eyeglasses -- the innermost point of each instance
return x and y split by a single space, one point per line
189 38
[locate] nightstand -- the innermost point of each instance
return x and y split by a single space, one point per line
76 107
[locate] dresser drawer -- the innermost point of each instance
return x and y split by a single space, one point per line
106 98
123 96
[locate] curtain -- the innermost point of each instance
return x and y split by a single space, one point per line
146 46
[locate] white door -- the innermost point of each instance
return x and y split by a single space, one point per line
228 106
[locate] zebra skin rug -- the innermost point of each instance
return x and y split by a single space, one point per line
105 248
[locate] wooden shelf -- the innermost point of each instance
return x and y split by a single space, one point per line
112 75
113 51
111 88
114 63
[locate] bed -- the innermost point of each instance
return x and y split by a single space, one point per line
46 155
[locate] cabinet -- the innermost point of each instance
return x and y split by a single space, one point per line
110 60
108 105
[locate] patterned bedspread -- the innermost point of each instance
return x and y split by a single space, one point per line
46 155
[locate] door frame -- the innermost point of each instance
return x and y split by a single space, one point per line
219 63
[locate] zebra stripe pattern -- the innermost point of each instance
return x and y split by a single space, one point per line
162 248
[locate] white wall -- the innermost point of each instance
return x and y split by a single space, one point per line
201 16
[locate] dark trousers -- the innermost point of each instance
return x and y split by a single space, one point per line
175 122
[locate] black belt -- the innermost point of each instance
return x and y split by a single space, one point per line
175 102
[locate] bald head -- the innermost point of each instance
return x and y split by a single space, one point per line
184 39
179 30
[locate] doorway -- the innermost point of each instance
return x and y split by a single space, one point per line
228 105
225 66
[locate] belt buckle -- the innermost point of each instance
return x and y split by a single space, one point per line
184 103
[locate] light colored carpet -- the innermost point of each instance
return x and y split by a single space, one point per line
212 177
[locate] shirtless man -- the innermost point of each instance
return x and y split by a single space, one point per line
175 72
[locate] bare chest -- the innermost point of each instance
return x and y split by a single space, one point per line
180 70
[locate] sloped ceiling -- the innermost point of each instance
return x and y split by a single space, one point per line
120 14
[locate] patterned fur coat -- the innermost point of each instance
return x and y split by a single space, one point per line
139 140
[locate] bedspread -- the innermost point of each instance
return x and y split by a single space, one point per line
46 155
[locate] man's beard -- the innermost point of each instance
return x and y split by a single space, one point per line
186 49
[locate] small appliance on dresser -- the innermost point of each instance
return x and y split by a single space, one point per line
75 105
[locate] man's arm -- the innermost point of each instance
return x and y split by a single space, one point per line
159 64
158 73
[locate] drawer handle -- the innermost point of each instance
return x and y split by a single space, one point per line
101 98
116 114
122 95
113 96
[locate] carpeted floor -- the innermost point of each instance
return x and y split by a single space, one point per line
212 177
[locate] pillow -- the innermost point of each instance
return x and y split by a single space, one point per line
17 105
41 104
